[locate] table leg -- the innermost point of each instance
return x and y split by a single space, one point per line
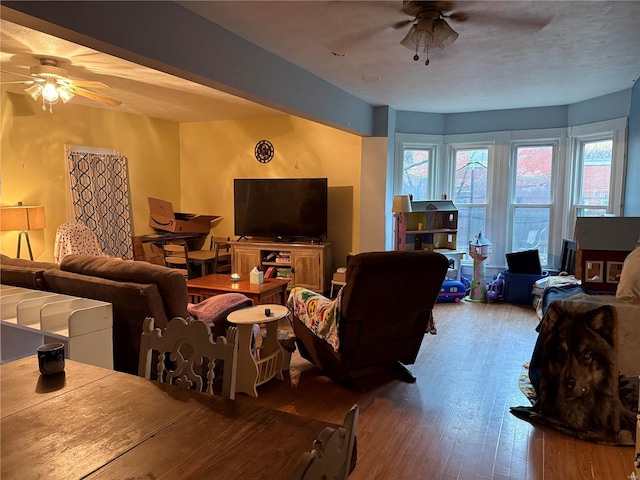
247 369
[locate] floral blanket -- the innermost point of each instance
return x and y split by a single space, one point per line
320 314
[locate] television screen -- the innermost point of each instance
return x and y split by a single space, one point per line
281 208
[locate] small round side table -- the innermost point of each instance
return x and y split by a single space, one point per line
260 364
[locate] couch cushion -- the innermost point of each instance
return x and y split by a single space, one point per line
132 303
22 273
21 262
171 284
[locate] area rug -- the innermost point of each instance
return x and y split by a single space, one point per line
525 384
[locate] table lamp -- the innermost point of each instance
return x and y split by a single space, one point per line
22 219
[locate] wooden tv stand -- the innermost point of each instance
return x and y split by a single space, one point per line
309 265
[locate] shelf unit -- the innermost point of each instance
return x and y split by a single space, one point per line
431 225
29 318
310 265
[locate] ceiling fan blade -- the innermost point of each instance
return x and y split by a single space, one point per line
88 84
96 97
17 74
401 24
346 42
23 82
501 20
458 16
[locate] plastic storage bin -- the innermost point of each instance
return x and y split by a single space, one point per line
518 287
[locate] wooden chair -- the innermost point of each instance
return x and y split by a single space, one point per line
222 261
334 453
188 343
175 256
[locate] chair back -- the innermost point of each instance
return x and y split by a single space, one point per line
334 453
188 343
388 300
222 260
75 238
176 256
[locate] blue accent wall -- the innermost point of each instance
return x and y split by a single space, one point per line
632 192
607 107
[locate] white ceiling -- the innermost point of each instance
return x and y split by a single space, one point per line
508 55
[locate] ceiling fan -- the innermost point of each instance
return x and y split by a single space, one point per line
52 83
429 27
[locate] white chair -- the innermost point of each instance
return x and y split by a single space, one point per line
188 343
332 453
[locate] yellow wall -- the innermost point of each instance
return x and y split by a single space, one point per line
33 155
214 153
191 165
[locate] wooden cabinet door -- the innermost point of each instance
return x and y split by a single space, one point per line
244 259
307 270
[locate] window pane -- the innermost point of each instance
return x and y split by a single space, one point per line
591 212
596 172
471 176
531 231
471 221
533 174
415 173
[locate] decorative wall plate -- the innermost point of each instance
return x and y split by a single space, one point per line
264 151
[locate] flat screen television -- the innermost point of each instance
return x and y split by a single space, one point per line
281 208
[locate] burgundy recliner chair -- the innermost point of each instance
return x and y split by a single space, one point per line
385 310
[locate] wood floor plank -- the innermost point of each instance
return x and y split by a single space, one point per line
454 422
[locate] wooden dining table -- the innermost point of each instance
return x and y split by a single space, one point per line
95 423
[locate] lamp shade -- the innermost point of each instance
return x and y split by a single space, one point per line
22 218
401 204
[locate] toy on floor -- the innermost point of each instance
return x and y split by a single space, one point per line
495 290
452 291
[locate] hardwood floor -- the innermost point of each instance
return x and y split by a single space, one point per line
454 422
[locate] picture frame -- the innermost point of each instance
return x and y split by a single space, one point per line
614 270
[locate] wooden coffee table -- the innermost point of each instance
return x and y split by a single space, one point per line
273 290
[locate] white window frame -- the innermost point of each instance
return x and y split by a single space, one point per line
433 143
555 144
502 146
616 131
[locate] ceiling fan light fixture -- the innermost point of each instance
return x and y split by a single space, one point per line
34 91
428 32
443 34
50 92
420 35
65 94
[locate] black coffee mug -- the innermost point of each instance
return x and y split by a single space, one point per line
51 358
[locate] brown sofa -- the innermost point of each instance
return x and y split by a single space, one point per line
135 289
385 310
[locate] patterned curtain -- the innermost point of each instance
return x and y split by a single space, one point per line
100 196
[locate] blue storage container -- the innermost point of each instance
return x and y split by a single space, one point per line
518 287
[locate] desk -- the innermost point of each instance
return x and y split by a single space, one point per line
259 365
273 290
206 258
99 424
